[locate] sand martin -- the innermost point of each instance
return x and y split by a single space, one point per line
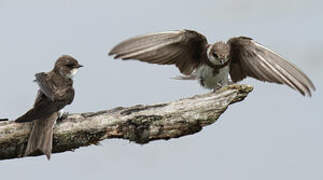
211 64
55 92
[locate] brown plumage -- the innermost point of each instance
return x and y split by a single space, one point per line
41 136
55 92
173 47
190 52
249 58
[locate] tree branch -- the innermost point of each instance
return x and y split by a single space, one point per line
140 123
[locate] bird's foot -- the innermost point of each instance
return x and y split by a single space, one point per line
222 84
219 85
216 89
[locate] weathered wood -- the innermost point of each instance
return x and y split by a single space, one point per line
140 123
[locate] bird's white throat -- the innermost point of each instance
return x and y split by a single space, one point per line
72 73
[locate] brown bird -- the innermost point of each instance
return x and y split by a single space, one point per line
211 64
55 92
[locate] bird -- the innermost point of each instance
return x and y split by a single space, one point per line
213 65
55 92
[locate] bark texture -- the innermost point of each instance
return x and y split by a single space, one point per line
140 123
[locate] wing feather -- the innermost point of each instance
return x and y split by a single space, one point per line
184 48
249 58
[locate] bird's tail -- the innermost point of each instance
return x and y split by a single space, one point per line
41 136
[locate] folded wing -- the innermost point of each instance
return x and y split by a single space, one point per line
249 58
184 48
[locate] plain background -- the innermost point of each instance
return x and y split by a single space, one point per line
274 134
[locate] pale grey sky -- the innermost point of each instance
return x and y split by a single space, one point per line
274 134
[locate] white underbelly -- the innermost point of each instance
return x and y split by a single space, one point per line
211 79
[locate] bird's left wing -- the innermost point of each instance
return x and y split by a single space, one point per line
45 86
249 58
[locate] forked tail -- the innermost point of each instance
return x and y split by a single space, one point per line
41 136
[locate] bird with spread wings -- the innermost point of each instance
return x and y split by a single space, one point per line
211 64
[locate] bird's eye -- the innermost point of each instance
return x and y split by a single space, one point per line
215 55
70 65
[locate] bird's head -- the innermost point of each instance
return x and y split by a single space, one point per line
218 53
67 66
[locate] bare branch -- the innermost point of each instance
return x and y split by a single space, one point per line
140 123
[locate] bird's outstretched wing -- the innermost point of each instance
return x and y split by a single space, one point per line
184 48
249 58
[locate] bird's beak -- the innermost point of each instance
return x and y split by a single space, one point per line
79 66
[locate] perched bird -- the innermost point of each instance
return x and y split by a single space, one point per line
55 92
211 64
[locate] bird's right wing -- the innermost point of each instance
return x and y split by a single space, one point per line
184 48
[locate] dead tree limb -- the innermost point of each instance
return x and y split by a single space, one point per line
140 123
